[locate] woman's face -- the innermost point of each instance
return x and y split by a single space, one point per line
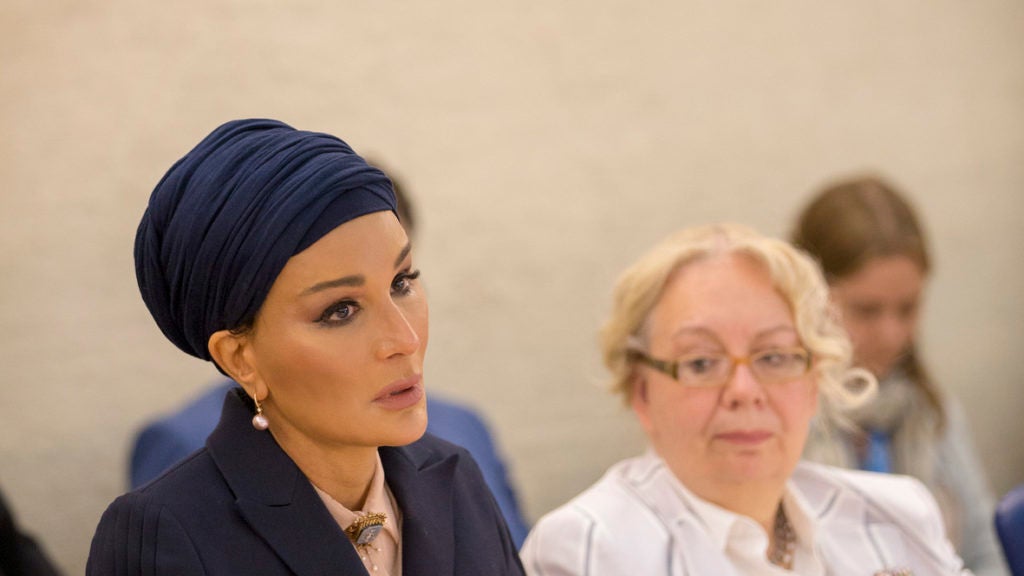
880 304
339 342
743 432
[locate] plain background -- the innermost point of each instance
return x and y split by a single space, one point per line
547 144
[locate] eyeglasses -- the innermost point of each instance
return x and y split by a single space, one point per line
775 366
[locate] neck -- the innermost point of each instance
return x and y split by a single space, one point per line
759 507
757 500
343 472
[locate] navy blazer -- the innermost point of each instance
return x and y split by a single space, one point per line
163 442
241 506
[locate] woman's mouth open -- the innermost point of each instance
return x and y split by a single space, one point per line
401 394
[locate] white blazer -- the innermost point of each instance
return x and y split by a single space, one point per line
632 522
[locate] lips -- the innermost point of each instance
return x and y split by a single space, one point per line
401 394
745 437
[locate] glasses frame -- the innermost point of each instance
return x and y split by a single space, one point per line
671 368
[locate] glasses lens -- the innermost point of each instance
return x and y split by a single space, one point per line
709 370
779 365
704 370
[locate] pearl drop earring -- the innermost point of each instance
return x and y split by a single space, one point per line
259 421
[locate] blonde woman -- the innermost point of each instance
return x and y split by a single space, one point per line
721 342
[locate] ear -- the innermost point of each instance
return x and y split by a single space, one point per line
638 399
234 354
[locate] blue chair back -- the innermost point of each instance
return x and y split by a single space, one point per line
1010 526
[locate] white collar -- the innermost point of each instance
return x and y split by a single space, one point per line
696 520
719 521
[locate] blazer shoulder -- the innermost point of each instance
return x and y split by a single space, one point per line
902 499
137 533
588 532
182 478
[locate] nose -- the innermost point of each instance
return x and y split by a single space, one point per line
398 336
742 389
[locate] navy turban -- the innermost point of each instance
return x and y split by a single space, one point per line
225 219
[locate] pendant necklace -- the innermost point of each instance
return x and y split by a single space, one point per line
784 541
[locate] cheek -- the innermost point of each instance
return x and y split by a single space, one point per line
909 328
866 340
858 330
797 404
315 385
680 412
300 361
309 354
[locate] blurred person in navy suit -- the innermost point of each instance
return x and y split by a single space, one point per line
20 554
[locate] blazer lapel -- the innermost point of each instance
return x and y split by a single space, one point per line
276 499
862 546
851 539
889 540
422 485
656 487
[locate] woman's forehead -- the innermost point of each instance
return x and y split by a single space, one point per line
368 245
719 299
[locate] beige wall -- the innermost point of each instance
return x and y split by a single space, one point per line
548 144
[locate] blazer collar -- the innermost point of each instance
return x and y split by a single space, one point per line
422 480
659 489
275 498
280 504
854 530
855 533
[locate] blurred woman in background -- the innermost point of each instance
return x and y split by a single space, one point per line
874 254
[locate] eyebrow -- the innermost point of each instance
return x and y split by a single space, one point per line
779 328
696 330
401 255
702 331
354 279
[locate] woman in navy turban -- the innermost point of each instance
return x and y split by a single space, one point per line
276 254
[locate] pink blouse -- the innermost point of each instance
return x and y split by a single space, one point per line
383 555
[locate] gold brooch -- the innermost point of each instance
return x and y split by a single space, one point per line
366 528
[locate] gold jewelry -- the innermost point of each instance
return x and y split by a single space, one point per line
366 528
783 541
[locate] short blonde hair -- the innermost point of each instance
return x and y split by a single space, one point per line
792 272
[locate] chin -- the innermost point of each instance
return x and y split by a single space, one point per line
410 429
752 470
